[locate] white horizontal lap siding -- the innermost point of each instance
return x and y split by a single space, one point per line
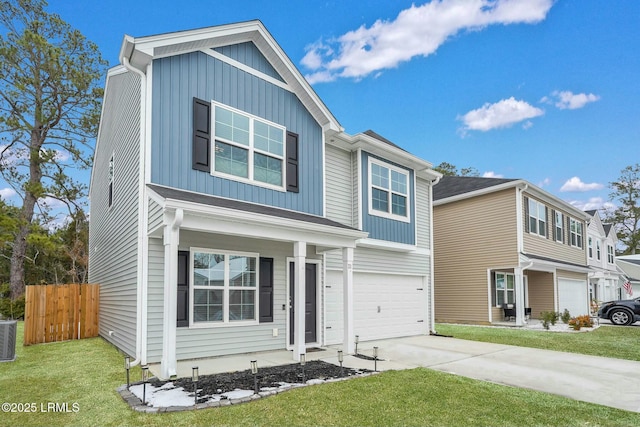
113 230
338 185
222 340
155 215
423 212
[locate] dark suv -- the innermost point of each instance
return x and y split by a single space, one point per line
623 312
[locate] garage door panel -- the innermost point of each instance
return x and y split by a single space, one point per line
573 295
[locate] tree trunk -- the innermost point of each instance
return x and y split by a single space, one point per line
16 281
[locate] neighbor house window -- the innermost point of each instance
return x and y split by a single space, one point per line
610 259
388 191
224 287
537 218
559 227
598 250
576 232
248 147
505 289
590 246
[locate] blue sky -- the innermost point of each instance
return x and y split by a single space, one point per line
547 91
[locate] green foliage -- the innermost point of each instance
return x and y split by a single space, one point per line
448 169
579 322
10 309
626 217
549 317
566 316
50 100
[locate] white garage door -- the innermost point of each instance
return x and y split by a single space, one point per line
385 306
573 295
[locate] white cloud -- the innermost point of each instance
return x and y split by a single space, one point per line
594 203
7 193
416 31
567 100
576 184
544 182
492 174
499 115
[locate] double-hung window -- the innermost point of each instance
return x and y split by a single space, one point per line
598 250
505 289
575 232
110 178
248 148
559 227
224 287
537 218
590 247
388 191
610 259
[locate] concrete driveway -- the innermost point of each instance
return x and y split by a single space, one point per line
601 380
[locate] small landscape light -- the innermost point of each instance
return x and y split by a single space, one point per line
145 378
254 371
195 377
127 366
375 359
341 359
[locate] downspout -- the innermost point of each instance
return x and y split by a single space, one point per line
520 270
432 276
142 276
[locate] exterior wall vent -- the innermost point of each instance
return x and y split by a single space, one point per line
8 331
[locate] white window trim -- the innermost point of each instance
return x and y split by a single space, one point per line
225 323
598 250
581 234
409 195
505 291
546 220
560 227
250 148
589 245
611 254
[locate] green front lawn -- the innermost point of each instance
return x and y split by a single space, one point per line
87 372
619 342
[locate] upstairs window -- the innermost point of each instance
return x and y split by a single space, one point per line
598 256
388 191
247 147
575 228
610 259
110 179
590 246
559 227
537 218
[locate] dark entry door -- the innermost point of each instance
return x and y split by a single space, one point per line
311 306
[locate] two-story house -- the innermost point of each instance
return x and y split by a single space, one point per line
605 277
231 213
506 243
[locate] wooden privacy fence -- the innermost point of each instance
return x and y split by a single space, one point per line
60 312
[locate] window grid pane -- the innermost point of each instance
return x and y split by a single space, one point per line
398 205
267 169
398 182
232 160
379 176
268 138
232 126
379 200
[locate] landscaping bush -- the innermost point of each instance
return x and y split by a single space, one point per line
565 317
549 317
10 309
579 322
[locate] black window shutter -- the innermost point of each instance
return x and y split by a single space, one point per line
546 221
292 162
110 193
266 290
201 152
568 231
526 214
183 288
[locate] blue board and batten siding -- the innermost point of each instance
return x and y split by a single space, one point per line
384 228
177 80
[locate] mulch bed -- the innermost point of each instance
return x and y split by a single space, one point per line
272 376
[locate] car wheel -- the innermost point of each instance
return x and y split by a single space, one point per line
620 317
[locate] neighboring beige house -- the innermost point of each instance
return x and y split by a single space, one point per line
605 278
506 241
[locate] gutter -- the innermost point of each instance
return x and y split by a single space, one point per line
142 241
432 276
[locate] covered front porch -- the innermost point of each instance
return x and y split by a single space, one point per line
277 248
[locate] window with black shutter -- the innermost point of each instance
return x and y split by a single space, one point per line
292 163
183 289
201 154
266 290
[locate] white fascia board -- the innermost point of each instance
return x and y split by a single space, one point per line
481 192
392 246
241 223
550 266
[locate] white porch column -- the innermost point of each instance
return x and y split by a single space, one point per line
168 364
519 290
347 300
299 255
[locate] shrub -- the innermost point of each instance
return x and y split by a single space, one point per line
10 309
565 316
579 322
548 317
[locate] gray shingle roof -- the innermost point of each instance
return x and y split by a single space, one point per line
454 185
204 199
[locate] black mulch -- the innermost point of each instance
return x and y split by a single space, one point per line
267 377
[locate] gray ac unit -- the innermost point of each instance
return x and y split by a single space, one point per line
8 330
